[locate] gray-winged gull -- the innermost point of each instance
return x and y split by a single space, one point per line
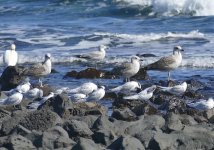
97 94
176 90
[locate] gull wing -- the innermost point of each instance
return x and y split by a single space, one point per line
35 70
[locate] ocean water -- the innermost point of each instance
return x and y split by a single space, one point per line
65 28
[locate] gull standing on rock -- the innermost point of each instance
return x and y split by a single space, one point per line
41 69
14 99
128 87
202 104
129 69
176 90
97 94
34 93
143 95
11 57
85 88
168 63
78 97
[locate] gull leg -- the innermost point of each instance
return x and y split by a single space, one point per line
40 81
169 76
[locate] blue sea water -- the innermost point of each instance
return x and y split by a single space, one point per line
65 28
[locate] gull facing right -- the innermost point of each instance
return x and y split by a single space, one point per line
202 104
85 88
14 99
168 63
97 94
176 90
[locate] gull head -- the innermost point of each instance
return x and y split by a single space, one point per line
102 87
135 58
47 56
184 84
210 102
13 47
151 89
102 48
177 49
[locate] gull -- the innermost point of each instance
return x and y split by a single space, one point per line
40 69
85 88
13 99
78 97
129 69
95 55
97 95
143 95
128 87
34 93
11 57
36 104
202 104
176 90
168 63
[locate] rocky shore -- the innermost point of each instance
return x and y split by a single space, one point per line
60 123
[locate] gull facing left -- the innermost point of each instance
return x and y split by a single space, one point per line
11 56
176 90
97 94
202 104
14 99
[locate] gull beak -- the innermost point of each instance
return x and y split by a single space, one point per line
141 59
182 50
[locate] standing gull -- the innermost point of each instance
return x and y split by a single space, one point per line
168 63
127 88
144 95
202 104
34 93
129 69
11 57
97 94
41 69
176 90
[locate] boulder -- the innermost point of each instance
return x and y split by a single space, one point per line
126 143
4 115
173 122
77 128
125 114
86 144
40 120
11 77
104 137
56 138
209 114
141 75
89 119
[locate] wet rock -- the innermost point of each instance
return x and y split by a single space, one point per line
56 138
89 73
86 144
4 115
122 104
195 84
103 136
173 122
11 77
89 119
17 142
57 104
40 120
126 143
54 71
209 114
77 128
187 120
146 55
141 75
126 115
143 109
145 123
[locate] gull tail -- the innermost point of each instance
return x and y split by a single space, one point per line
133 97
81 56
153 66
164 89
117 89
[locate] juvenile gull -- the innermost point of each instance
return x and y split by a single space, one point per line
85 88
202 104
13 99
143 95
176 90
10 56
129 69
97 94
40 69
168 63
128 87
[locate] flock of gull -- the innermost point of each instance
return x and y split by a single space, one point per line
89 92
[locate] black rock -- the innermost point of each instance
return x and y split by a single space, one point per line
103 136
11 77
126 114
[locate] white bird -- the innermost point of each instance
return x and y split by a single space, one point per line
168 63
176 90
95 55
129 69
34 93
127 88
85 88
14 99
97 94
41 69
143 95
78 97
202 104
36 104
11 56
